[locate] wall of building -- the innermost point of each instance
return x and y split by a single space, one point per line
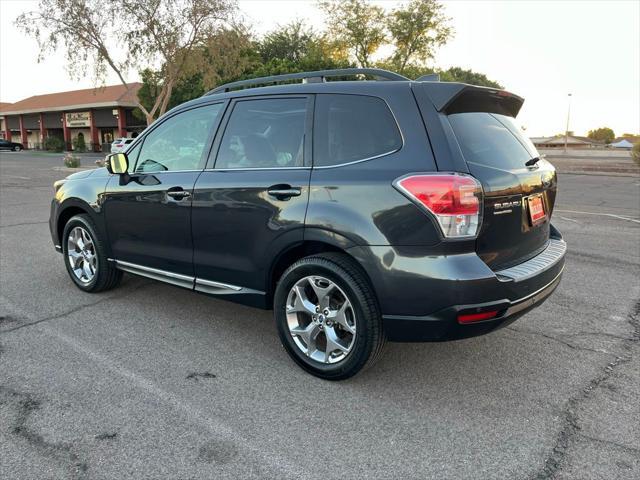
86 133
52 119
31 121
105 118
105 122
134 124
33 139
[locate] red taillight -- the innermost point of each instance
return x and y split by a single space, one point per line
454 199
118 146
476 317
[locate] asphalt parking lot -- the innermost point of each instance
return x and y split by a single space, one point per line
152 381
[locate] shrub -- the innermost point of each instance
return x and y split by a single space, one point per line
635 153
54 144
71 160
79 144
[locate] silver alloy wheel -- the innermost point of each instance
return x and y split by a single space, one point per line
82 254
321 319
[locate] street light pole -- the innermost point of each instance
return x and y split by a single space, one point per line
566 132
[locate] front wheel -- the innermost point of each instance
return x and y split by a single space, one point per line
327 316
85 256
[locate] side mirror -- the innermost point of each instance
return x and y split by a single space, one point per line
117 163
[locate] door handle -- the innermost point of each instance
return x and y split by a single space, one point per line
282 192
177 193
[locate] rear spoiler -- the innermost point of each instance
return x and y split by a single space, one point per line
450 98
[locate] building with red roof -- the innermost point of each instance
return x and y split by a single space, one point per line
99 115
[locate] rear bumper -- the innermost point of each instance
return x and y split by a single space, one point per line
421 295
443 325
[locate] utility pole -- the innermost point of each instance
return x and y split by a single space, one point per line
566 132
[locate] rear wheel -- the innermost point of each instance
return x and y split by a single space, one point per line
85 256
17 148
327 316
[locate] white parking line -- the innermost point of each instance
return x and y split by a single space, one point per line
16 176
620 217
217 427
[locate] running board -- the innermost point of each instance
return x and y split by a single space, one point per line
161 275
184 281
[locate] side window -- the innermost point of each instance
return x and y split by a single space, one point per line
348 128
266 133
132 155
178 143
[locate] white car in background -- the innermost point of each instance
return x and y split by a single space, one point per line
121 145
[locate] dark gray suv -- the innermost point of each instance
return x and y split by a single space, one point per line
360 211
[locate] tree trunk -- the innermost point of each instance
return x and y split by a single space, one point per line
167 97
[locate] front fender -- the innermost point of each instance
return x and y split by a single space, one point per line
78 194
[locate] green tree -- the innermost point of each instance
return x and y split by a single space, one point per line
358 25
457 74
635 153
416 29
79 145
235 55
54 144
140 33
290 42
602 134
184 90
228 55
293 48
453 74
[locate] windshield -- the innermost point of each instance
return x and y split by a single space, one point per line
492 140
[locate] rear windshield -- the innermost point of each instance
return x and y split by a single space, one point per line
492 140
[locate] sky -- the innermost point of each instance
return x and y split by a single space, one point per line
540 50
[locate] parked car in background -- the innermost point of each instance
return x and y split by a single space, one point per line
7 145
359 211
120 145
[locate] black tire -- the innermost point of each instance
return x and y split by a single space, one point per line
369 336
16 148
107 276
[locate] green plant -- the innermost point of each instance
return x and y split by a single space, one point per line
635 153
54 144
79 144
71 160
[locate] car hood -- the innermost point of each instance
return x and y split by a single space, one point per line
96 172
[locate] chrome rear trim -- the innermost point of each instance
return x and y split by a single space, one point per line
546 259
534 297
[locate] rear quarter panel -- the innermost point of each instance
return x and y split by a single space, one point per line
357 201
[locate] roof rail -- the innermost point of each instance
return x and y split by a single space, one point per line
310 77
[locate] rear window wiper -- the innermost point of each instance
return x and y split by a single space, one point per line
532 162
